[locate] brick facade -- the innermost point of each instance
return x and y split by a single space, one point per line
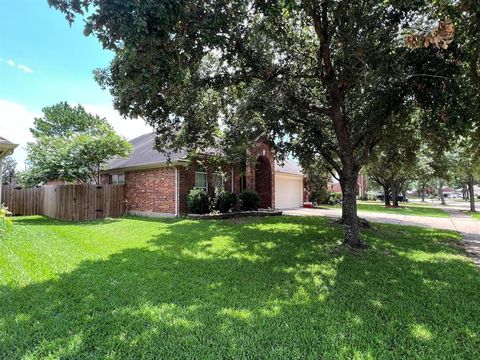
187 181
151 191
260 157
154 190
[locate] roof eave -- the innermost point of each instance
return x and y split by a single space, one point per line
145 166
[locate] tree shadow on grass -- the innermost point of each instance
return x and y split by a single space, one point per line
270 288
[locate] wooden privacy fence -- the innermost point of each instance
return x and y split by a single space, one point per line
66 202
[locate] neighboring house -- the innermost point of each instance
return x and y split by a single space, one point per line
361 183
6 148
159 186
476 190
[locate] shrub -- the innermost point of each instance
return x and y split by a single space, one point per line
250 200
198 202
225 201
5 222
319 196
335 198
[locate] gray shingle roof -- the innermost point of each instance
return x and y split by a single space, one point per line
289 167
4 141
144 155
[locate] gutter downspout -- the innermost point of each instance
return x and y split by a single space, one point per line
1 180
176 191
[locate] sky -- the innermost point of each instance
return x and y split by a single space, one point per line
44 61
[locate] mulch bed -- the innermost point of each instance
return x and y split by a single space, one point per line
236 214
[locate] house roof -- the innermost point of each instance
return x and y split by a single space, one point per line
4 141
6 147
289 167
144 155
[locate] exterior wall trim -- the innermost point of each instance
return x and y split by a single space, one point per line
176 192
151 214
144 167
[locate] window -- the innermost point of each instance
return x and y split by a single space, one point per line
201 178
243 183
118 179
218 181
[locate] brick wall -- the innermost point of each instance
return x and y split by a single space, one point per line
258 150
187 181
151 190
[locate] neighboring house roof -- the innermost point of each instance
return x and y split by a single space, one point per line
6 147
144 155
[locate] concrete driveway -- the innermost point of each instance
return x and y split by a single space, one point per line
458 221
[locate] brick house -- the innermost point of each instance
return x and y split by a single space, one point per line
157 187
361 183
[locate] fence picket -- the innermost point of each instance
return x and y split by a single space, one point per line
66 202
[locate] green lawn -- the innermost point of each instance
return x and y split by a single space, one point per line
475 215
277 288
404 209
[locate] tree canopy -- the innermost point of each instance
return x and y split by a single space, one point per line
319 78
9 170
70 145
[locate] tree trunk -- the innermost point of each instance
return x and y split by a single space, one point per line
351 228
404 194
471 192
423 192
440 193
386 197
465 192
395 196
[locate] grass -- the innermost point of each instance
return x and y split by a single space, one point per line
475 215
410 209
271 288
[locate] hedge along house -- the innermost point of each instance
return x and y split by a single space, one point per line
157 187
6 148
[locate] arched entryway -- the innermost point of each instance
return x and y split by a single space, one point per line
263 181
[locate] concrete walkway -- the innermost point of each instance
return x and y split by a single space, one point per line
458 221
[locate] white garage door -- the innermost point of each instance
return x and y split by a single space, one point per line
288 191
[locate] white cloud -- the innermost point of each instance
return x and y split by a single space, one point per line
15 123
25 68
129 128
16 120
21 67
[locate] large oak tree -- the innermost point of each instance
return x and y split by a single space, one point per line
317 77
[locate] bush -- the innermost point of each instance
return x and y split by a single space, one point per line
250 200
5 222
198 202
320 196
225 201
335 198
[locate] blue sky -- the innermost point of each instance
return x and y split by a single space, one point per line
44 61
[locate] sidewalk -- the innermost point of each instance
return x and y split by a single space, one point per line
458 221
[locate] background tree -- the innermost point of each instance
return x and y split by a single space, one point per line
71 145
467 167
393 164
423 170
9 170
321 78
318 178
443 166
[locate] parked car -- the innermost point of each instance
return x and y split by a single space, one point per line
381 197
